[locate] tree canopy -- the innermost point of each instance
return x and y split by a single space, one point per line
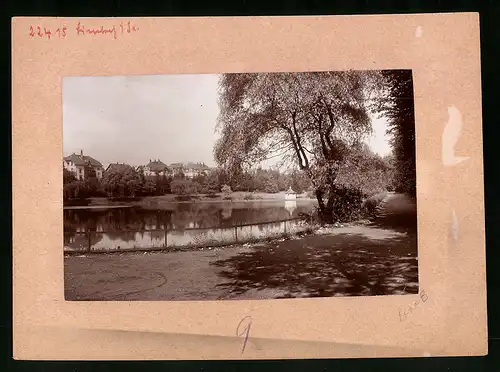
398 108
310 119
121 183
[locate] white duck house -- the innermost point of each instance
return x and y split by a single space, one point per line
290 194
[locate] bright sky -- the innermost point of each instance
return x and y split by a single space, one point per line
379 140
131 119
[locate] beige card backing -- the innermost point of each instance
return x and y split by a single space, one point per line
443 52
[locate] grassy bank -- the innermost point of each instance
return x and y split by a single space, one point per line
242 198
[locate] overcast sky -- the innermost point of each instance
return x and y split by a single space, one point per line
131 119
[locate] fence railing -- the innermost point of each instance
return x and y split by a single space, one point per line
161 239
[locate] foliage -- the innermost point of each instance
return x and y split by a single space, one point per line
347 204
68 176
200 178
91 181
268 180
398 107
310 119
162 184
298 181
311 193
74 188
212 183
183 187
365 170
122 183
371 203
226 190
179 175
148 187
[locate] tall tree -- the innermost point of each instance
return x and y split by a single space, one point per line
310 119
398 108
91 181
365 170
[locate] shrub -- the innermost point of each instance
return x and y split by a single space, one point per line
371 203
310 193
347 204
183 187
271 188
248 197
226 190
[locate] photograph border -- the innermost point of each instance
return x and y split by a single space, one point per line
472 295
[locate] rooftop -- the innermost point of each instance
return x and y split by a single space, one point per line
82 160
118 167
156 165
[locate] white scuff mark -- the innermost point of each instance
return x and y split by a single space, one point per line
454 225
451 134
419 31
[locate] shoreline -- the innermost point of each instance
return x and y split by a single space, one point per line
314 229
195 248
169 200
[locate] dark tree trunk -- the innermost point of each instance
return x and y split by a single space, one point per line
325 210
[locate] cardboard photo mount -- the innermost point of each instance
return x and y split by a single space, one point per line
448 317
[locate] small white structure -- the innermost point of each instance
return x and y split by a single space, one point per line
290 194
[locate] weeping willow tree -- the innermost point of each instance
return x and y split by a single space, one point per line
308 119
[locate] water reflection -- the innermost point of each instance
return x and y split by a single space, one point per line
129 228
290 206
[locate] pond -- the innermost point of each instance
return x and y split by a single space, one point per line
179 225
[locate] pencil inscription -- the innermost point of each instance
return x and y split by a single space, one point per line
243 330
405 312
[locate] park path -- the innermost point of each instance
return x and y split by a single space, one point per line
397 211
376 258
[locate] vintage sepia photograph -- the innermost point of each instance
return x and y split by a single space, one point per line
239 186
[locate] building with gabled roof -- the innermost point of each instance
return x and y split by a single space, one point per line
80 165
195 169
118 167
155 168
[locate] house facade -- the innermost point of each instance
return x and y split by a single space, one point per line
158 168
195 169
154 168
81 165
176 168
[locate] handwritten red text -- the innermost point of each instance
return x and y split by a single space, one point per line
123 28
44 32
113 31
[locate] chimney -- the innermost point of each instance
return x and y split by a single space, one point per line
81 153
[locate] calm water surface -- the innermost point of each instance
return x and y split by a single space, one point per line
185 224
